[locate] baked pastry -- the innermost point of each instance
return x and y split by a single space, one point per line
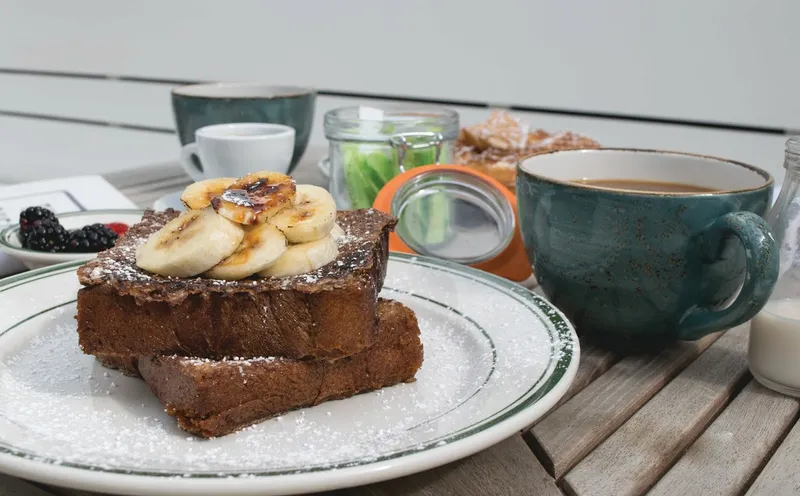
494 147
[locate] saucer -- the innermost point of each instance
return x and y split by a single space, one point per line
170 200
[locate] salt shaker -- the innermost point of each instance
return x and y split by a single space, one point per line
774 353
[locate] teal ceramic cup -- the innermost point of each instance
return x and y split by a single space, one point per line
199 105
642 267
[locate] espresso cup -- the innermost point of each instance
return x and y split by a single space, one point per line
234 150
688 256
199 105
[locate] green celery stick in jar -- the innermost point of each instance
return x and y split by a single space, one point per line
361 188
382 167
437 206
361 145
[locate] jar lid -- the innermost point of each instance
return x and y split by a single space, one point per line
380 123
456 214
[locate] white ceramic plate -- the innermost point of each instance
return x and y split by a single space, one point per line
170 200
10 243
497 357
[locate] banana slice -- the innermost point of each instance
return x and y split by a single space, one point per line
190 244
337 233
256 197
302 258
261 247
312 216
199 195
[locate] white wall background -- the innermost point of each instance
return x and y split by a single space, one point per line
724 64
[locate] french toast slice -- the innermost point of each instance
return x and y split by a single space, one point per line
211 398
125 312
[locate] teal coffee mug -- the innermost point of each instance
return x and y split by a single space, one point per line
200 105
642 246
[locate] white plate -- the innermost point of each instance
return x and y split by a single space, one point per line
10 243
170 200
497 357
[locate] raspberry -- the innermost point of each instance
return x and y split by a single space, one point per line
92 238
118 227
32 217
46 235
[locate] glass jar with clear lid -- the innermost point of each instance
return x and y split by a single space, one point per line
774 354
363 147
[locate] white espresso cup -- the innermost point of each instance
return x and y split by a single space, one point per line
235 150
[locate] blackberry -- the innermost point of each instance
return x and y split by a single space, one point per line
47 235
92 238
31 217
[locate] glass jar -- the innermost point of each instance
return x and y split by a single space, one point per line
774 353
458 214
363 156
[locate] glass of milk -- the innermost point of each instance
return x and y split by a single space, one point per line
774 353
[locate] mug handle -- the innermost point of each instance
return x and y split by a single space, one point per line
762 257
188 164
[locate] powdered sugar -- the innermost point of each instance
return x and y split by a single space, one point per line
240 361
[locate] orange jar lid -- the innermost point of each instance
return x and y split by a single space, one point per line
457 214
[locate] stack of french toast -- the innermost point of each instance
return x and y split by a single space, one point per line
258 299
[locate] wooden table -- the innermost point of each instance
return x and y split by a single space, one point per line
687 421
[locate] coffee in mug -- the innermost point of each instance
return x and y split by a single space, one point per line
641 186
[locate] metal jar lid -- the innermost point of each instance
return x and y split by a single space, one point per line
457 214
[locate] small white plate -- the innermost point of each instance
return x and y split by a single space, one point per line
11 245
497 358
171 200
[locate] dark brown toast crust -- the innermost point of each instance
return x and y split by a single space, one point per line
128 365
212 398
124 311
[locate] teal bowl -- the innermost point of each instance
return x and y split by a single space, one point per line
201 105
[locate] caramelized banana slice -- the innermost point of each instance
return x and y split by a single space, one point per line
310 218
302 258
199 195
256 197
189 244
261 247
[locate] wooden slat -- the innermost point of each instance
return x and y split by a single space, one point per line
567 434
147 176
727 457
62 491
639 452
508 468
594 362
781 475
11 486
